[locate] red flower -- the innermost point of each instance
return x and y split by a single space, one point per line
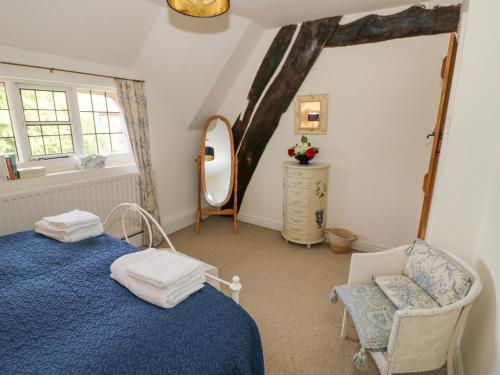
290 152
310 153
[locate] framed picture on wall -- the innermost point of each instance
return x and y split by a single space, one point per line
311 114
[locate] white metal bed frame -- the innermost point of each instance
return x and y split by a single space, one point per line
235 286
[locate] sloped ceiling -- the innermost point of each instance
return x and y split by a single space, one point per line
113 31
104 31
275 13
193 62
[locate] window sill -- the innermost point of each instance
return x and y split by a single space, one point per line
56 179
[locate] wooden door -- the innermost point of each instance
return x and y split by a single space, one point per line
430 178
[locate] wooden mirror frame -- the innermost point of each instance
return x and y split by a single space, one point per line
203 161
323 120
202 188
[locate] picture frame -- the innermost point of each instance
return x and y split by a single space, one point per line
311 114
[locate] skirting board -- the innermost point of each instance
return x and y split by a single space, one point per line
359 245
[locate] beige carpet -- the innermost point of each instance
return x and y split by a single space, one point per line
285 290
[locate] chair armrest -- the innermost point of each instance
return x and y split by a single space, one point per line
365 265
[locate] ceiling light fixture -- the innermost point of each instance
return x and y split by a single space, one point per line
199 8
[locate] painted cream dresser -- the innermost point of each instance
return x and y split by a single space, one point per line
304 206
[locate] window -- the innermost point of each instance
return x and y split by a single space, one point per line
7 140
101 122
48 125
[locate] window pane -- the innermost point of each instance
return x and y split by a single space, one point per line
64 129
62 115
52 145
45 100
98 101
29 99
6 130
4 117
89 144
67 143
100 117
46 115
84 102
101 122
3 97
112 101
7 145
117 142
31 115
34 131
115 125
87 119
36 144
104 143
60 101
50 130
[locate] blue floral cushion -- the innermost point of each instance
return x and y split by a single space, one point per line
372 313
404 293
441 277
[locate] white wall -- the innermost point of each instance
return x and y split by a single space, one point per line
181 60
383 100
465 215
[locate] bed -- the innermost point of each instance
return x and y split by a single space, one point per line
61 313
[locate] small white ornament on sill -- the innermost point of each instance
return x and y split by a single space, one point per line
92 161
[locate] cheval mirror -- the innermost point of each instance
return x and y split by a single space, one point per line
217 171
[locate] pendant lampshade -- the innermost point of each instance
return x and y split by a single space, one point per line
200 8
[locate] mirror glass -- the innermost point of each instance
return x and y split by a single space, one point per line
217 155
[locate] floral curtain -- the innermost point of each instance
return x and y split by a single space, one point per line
133 103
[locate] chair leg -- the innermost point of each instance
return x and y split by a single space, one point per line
342 332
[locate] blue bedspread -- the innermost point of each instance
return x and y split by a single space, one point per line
61 313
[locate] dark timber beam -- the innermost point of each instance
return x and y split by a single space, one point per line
414 21
268 67
311 39
308 45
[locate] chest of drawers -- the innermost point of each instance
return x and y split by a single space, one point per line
304 202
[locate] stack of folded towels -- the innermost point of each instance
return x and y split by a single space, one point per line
71 226
159 277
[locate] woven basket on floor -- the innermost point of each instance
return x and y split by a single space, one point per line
340 240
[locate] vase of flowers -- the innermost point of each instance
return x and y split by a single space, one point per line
303 151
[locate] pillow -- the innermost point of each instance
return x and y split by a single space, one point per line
444 280
404 293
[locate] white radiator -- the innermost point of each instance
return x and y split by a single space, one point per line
19 211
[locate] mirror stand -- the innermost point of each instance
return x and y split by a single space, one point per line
211 212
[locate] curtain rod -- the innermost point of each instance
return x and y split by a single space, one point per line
66 71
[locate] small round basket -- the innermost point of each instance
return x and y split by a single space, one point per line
340 240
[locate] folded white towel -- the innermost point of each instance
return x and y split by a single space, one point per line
178 287
71 219
54 228
164 297
78 235
164 268
119 267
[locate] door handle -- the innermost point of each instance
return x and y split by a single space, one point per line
431 135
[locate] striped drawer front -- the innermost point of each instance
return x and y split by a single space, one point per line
297 211
297 220
297 237
298 173
299 197
296 229
299 182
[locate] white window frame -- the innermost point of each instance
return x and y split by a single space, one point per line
59 162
